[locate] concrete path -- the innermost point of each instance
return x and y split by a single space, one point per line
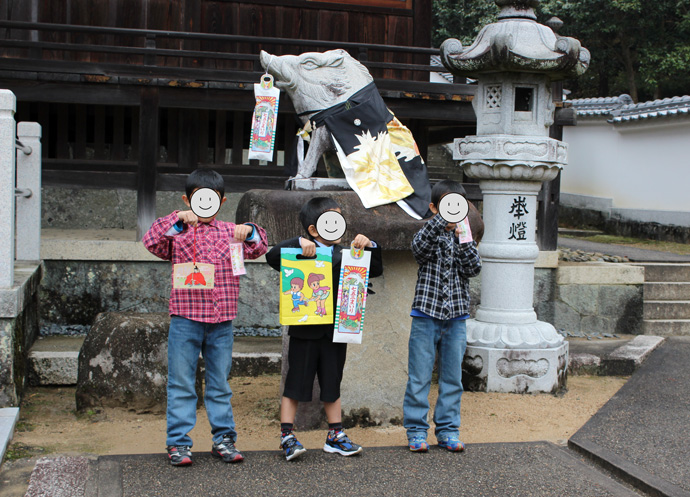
637 444
535 469
643 432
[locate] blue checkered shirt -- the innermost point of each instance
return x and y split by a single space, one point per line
445 265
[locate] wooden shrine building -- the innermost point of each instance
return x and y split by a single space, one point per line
136 94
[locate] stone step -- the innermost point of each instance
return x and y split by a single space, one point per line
667 272
666 291
666 327
8 420
610 357
53 360
666 309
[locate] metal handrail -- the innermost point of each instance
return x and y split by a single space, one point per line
23 192
24 148
185 35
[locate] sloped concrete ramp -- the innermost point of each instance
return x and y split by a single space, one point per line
643 432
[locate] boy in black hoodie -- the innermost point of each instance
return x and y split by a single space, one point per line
311 350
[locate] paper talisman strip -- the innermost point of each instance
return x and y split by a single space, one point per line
352 296
264 119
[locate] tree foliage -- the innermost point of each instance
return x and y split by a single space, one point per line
638 47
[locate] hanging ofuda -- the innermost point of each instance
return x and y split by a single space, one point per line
264 119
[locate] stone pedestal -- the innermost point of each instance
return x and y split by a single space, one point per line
487 369
509 350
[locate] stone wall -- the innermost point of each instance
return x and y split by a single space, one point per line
75 292
18 330
613 224
94 209
598 299
577 298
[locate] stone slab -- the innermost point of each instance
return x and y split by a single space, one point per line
27 277
584 364
488 470
596 273
53 360
59 477
627 358
667 327
8 420
53 368
677 273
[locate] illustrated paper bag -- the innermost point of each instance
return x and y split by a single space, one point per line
306 295
352 296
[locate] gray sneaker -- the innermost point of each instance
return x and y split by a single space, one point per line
226 450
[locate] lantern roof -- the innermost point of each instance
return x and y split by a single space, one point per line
517 43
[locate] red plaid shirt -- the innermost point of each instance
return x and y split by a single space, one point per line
212 305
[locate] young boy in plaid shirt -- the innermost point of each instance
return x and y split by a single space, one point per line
201 318
439 310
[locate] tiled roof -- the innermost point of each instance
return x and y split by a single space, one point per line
675 106
621 109
436 61
599 106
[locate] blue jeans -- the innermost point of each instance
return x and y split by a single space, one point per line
428 337
186 339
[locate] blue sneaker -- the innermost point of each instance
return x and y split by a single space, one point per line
418 444
451 443
292 447
339 443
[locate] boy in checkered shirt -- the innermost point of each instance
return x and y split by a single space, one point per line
439 310
201 315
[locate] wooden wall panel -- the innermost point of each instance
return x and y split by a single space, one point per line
165 15
333 25
298 19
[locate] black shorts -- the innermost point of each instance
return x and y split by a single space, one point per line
310 358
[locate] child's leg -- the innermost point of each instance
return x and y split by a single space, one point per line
288 410
333 411
450 353
184 344
421 355
217 351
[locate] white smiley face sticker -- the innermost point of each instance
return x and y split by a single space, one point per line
205 202
331 226
453 207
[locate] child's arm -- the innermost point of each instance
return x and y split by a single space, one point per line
254 238
273 255
156 241
468 261
376 265
425 240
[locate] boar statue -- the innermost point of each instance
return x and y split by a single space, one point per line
341 109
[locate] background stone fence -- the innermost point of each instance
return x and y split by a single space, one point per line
578 299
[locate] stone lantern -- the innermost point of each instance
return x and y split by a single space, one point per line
514 60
